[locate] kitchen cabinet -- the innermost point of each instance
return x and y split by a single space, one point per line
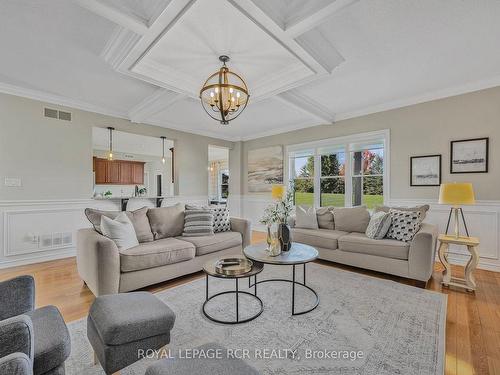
118 172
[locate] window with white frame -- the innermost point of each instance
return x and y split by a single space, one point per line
340 172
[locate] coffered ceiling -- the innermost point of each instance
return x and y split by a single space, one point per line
306 62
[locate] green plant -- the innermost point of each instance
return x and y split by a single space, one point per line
279 212
143 190
108 193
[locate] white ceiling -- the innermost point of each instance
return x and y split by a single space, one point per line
307 62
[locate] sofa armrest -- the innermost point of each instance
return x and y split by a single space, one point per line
16 363
98 262
422 252
244 227
16 336
17 296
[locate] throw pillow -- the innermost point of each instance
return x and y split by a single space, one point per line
305 217
221 219
198 221
166 221
351 219
404 224
325 218
138 218
379 225
422 209
120 230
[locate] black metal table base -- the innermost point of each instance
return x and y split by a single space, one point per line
237 293
294 283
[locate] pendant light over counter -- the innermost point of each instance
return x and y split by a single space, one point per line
110 152
163 160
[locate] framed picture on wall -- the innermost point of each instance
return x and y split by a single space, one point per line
469 156
425 170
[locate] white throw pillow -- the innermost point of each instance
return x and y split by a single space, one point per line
305 217
120 230
379 225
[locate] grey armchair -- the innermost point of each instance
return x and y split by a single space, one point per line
32 341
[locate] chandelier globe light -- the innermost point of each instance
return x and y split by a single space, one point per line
224 95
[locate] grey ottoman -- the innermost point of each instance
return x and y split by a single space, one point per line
203 366
121 325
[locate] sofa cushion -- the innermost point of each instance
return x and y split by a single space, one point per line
155 254
217 242
198 222
360 243
324 238
351 219
52 340
166 221
305 217
138 218
120 230
325 218
422 209
123 318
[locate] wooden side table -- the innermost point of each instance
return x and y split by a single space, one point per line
471 243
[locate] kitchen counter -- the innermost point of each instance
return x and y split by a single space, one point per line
124 200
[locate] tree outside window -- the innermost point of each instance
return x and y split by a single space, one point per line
368 177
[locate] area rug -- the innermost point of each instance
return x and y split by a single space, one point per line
363 325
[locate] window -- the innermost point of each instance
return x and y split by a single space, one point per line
340 172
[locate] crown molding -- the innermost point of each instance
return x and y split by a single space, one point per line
282 130
418 99
118 46
160 100
58 100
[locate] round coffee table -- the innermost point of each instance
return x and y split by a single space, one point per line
209 269
299 254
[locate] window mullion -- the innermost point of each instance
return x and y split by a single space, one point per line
317 178
348 177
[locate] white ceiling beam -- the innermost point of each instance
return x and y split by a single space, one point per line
307 106
129 21
317 18
160 100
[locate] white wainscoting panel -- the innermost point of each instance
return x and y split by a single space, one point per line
35 231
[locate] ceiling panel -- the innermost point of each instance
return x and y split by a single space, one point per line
146 10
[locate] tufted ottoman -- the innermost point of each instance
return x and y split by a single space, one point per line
121 326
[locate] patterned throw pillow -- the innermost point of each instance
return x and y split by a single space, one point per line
405 224
198 221
221 219
379 225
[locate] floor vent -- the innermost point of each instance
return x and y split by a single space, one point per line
54 113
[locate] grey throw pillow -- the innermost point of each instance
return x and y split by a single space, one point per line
166 221
379 225
120 230
198 221
221 219
305 217
325 218
138 218
404 224
351 219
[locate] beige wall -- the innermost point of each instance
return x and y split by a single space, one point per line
54 158
421 129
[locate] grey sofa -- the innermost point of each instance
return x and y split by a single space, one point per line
336 241
107 270
32 341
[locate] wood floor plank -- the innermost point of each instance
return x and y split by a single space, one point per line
472 324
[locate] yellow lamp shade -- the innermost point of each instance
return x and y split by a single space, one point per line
456 194
277 191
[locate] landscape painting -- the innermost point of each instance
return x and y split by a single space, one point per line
265 168
425 170
469 156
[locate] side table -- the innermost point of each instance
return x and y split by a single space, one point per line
471 243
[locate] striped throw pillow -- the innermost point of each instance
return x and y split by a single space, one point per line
198 221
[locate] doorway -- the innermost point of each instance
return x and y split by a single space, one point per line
218 174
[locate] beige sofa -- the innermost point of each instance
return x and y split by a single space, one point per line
413 260
108 270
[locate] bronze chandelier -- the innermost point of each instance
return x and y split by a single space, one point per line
224 95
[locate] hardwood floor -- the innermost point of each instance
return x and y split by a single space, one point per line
472 324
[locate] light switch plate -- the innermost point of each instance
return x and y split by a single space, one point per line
12 182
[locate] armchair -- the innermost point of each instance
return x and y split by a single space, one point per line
32 341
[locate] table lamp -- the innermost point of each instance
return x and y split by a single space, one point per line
278 191
456 195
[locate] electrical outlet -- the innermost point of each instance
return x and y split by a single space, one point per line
12 182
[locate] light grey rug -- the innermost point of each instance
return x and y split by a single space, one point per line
398 329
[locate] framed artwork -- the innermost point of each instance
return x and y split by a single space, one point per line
265 168
469 156
425 170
